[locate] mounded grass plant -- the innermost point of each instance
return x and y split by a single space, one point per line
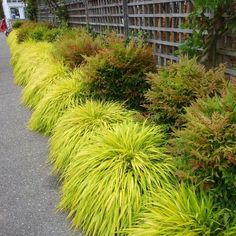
46 75
65 94
178 85
76 126
180 211
12 41
106 183
28 59
205 150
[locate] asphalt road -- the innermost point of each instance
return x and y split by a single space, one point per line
28 192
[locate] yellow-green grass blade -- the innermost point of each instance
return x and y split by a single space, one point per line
106 183
65 94
178 211
28 58
77 125
45 76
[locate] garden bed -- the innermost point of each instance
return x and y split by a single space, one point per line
139 151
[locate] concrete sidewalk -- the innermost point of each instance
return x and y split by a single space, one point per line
28 193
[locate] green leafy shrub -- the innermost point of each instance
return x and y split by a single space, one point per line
107 180
25 29
22 35
17 24
78 124
32 30
37 34
177 86
180 211
73 46
40 31
118 72
54 34
205 148
63 95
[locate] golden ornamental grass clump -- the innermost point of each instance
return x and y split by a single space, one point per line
47 74
180 211
29 57
12 41
62 96
80 123
105 185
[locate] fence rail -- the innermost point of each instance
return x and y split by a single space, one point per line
159 20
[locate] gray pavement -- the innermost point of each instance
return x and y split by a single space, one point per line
28 192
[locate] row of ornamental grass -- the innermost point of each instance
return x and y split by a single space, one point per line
139 152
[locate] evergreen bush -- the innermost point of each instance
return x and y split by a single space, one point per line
118 72
177 86
75 45
205 149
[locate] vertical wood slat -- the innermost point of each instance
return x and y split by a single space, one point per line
125 18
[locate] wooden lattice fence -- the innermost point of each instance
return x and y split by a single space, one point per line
160 21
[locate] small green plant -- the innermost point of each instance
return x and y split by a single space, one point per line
75 45
23 33
106 182
177 86
54 34
37 34
180 211
205 148
59 98
80 123
17 24
118 72
40 31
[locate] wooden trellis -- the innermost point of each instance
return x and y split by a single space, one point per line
160 21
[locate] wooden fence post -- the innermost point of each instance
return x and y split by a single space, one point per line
126 23
86 13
